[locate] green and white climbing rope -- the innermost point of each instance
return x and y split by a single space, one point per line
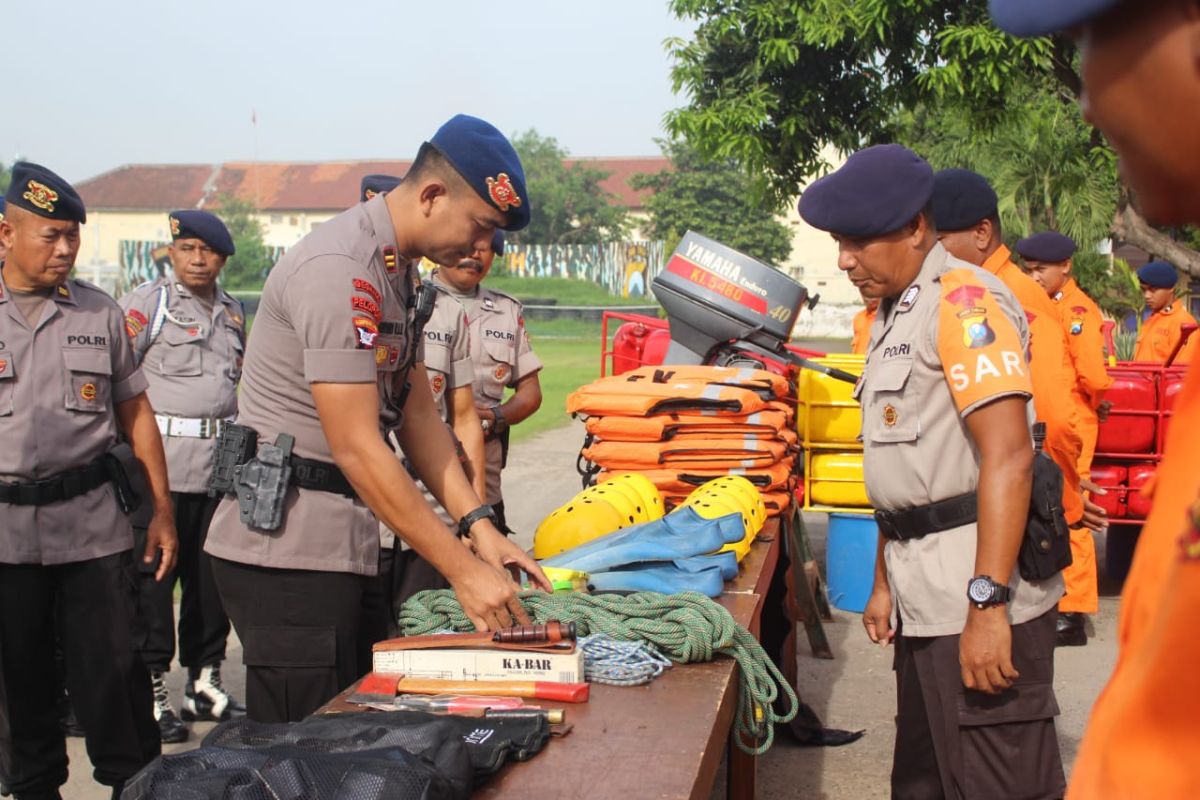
685 628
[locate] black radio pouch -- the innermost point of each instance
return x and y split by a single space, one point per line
1046 547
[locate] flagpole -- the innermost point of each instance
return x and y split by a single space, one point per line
254 124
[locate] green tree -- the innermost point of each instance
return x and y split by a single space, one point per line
5 177
713 198
247 268
772 82
569 205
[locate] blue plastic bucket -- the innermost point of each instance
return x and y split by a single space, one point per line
850 560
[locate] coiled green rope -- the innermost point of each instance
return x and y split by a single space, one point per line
684 627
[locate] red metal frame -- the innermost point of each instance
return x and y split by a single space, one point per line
1158 374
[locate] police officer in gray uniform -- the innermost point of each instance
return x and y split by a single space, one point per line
189 336
331 368
502 356
69 392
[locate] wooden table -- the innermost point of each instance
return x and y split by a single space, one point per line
662 740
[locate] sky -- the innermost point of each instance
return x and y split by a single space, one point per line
90 85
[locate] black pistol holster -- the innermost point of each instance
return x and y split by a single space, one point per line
258 475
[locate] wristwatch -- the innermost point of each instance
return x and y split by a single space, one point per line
983 592
501 424
471 517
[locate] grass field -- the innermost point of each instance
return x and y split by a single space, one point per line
564 291
570 355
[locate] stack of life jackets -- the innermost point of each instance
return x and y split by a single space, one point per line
682 426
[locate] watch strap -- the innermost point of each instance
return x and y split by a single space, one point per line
473 516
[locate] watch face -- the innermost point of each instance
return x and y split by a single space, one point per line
980 590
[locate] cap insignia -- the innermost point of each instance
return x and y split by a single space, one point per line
501 190
41 196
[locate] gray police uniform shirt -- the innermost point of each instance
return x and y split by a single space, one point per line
60 382
335 309
502 356
448 366
193 365
953 341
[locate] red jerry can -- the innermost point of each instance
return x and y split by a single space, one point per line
1124 432
1139 476
1111 478
628 343
655 351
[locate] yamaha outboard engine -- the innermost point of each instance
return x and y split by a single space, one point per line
726 308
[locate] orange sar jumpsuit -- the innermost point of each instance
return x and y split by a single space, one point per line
1081 320
1160 333
1051 369
1143 738
863 321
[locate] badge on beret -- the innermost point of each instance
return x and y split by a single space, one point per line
890 415
41 195
501 190
88 391
976 330
174 225
369 193
437 382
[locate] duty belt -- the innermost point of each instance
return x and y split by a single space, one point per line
323 476
913 523
189 427
63 486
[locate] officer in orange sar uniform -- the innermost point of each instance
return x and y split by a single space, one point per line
502 356
1162 331
948 458
332 366
965 210
70 391
1137 59
863 321
1047 256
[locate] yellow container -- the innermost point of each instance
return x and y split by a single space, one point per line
835 480
828 415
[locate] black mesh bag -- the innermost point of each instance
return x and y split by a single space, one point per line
356 756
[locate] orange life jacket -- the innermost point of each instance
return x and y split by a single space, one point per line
769 423
682 389
706 453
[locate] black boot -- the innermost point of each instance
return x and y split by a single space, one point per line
170 729
1070 629
204 696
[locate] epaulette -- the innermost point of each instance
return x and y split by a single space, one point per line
506 296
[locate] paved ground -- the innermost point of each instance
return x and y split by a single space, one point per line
854 691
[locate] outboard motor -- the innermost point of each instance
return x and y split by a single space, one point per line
728 309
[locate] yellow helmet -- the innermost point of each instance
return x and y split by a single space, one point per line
623 497
573 524
645 489
743 491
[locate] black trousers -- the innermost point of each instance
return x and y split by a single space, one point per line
402 573
203 624
299 632
109 686
960 744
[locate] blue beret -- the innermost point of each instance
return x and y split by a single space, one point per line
498 243
372 185
193 224
1042 17
961 198
39 191
1046 246
1158 274
488 162
878 190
